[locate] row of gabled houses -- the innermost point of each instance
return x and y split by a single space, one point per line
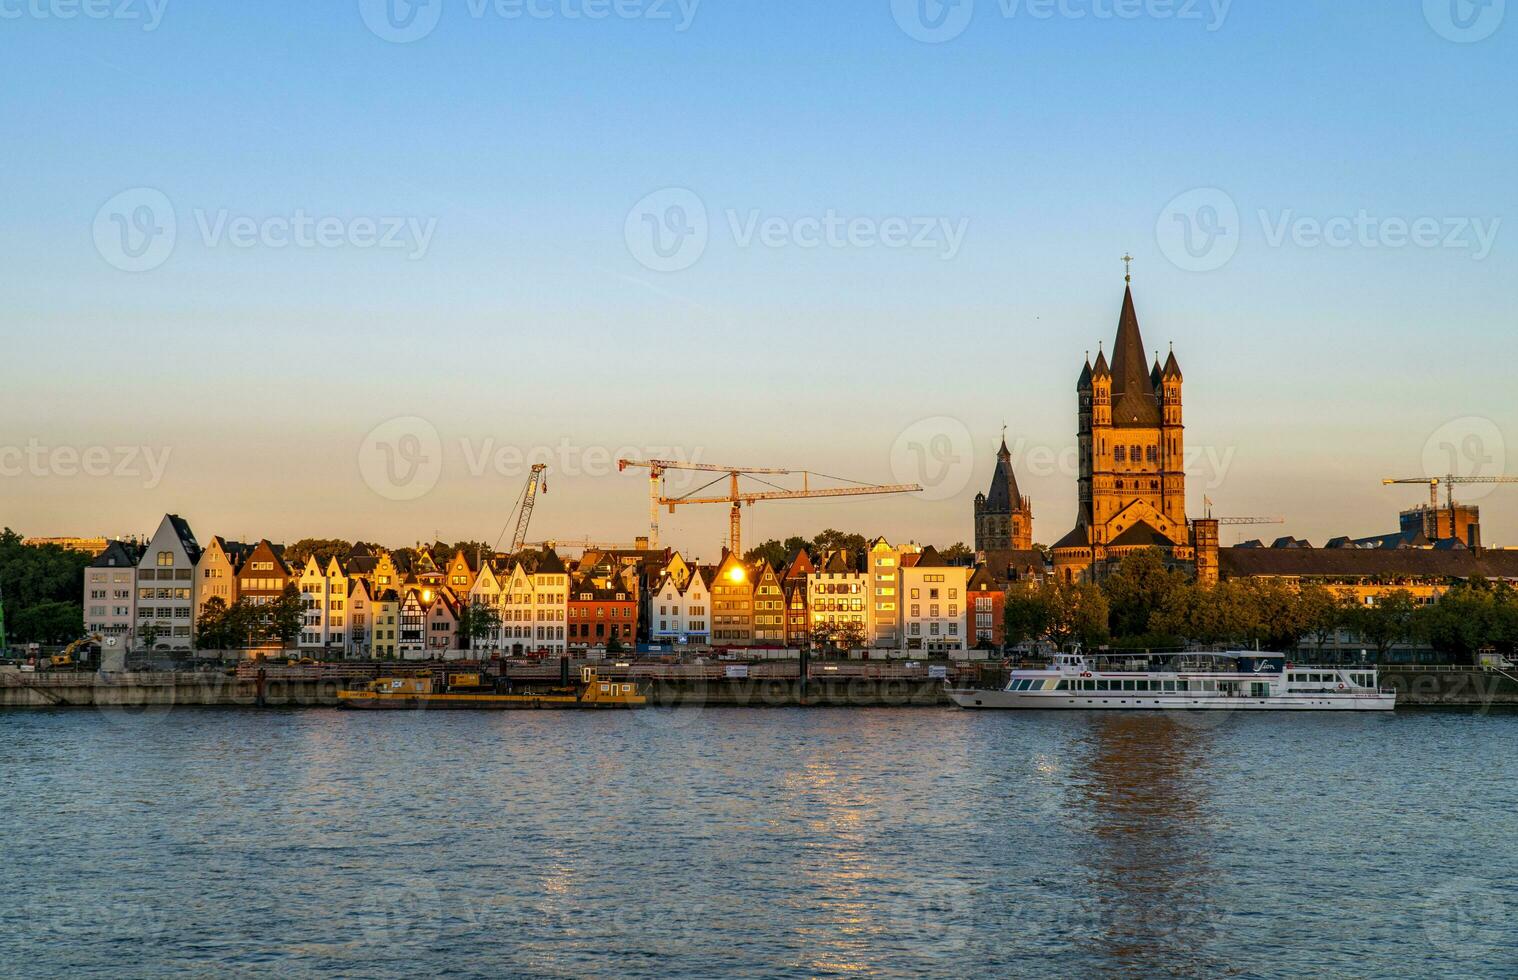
374 603
367 603
889 598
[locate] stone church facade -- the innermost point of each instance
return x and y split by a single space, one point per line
1003 516
1132 446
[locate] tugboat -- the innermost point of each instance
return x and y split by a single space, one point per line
1238 681
474 690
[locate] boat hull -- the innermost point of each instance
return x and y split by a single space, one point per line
482 702
1114 701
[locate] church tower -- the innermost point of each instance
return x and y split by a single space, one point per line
1131 489
1003 516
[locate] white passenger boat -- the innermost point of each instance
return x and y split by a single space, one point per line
1240 681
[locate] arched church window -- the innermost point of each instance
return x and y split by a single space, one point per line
1136 453
1120 453
1152 453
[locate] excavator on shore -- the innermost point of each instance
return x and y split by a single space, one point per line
66 659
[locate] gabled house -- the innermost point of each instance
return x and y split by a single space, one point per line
442 625
486 593
110 594
934 597
324 594
385 633
601 609
837 599
461 572
732 603
216 572
166 586
769 606
987 603
358 638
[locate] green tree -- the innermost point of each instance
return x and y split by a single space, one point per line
823 635
772 551
323 549
831 539
850 636
1139 589
39 583
476 622
286 615
149 634
1464 620
957 553
1321 612
1390 620
1078 613
211 627
1025 616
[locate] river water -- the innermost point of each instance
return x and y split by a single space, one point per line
758 842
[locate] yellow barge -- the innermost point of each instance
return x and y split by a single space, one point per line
474 691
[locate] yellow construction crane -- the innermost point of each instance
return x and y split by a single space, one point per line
1431 515
737 497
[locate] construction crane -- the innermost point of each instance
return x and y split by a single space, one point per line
1239 521
583 544
537 477
1431 515
736 497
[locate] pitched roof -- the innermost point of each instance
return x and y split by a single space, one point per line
1141 535
1369 562
1100 368
800 566
117 554
1003 497
1008 564
1172 368
837 564
1084 381
930 558
1079 537
185 535
1133 399
980 580
550 563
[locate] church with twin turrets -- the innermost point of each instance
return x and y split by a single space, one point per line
1003 516
1132 447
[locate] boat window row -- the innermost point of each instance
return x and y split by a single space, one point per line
1152 686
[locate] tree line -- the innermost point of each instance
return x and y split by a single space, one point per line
1146 603
43 590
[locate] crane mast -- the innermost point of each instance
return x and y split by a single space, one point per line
536 478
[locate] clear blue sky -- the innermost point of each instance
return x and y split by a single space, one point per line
1055 144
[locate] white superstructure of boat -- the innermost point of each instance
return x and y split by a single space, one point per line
1233 681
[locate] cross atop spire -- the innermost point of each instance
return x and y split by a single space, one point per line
1127 267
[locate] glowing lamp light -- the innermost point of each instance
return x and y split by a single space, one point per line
736 575
426 595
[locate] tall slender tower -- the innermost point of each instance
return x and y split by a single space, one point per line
1132 483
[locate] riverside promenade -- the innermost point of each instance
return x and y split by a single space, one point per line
774 683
